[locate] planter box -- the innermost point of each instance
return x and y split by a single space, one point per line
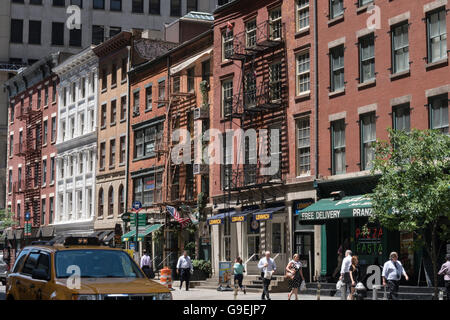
199 275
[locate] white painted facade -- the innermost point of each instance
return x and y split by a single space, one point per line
76 143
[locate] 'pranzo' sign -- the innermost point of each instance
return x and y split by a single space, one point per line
336 214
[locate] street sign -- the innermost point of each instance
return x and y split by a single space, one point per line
27 229
126 216
137 205
142 219
27 216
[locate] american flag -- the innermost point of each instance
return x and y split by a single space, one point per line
174 213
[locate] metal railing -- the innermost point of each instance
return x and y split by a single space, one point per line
165 259
249 259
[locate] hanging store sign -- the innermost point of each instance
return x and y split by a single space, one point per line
263 216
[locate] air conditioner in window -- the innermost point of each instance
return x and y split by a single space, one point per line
200 168
201 113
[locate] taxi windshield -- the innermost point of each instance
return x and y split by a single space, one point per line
95 264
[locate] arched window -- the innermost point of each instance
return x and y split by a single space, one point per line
110 201
121 200
100 202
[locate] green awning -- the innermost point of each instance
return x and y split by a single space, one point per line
129 236
347 207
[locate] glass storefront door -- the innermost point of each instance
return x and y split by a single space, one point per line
253 240
304 246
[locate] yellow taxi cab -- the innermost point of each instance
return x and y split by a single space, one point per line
79 269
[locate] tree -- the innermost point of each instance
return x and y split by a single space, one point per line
413 192
6 219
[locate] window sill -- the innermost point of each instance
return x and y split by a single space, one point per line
46 106
44 145
437 64
302 32
103 127
123 120
113 86
336 93
53 142
161 105
52 184
110 217
104 90
367 84
303 96
53 103
122 164
148 110
123 81
364 8
399 75
111 167
226 62
152 155
112 124
336 20
101 169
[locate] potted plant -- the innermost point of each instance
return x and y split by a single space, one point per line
202 270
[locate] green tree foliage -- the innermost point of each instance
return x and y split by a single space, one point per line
413 192
6 219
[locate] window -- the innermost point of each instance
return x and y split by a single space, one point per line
146 139
53 91
227 44
275 24
104 79
368 137
53 134
124 69
122 150
250 32
10 182
302 14
45 132
275 76
52 170
176 84
303 73
191 79
148 97
121 199
100 202
43 209
250 90
71 160
46 96
336 8
438 109
72 127
20 141
400 48
155 7
91 161
367 58
99 4
51 206
34 32
136 103
115 5
92 81
175 8
162 91
98 34
57 33
80 163
227 167
110 201
83 87
401 117
30 263
303 146
39 99
19 177
39 2
75 36
114 75
437 35
103 117
92 118
113 112
74 92
16 31
80 203
65 96
61 169
148 189
59 3
337 68
137 6
112 152
123 108
206 70
338 147
77 3
114 30
191 5
364 2
70 203
102 155
11 145
227 97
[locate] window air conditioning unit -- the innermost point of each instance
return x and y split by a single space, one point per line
200 113
200 168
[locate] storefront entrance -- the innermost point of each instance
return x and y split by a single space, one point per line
304 246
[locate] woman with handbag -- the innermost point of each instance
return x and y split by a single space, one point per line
354 277
295 275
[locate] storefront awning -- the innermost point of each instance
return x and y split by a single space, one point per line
266 214
347 207
187 63
242 215
131 234
219 218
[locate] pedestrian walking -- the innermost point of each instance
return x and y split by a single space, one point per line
146 265
238 270
267 267
354 277
184 269
392 273
295 274
339 261
445 271
345 274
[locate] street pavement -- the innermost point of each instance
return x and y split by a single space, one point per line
208 294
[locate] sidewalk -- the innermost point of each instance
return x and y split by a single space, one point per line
208 294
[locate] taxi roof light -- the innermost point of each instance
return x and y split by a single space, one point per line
82 241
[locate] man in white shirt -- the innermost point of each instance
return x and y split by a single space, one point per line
345 274
184 269
146 265
392 273
266 264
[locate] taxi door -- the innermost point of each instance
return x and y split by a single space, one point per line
41 289
24 282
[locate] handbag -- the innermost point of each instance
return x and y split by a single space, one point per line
339 285
268 275
290 275
303 286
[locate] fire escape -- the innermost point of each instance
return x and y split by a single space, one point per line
31 150
260 103
179 186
